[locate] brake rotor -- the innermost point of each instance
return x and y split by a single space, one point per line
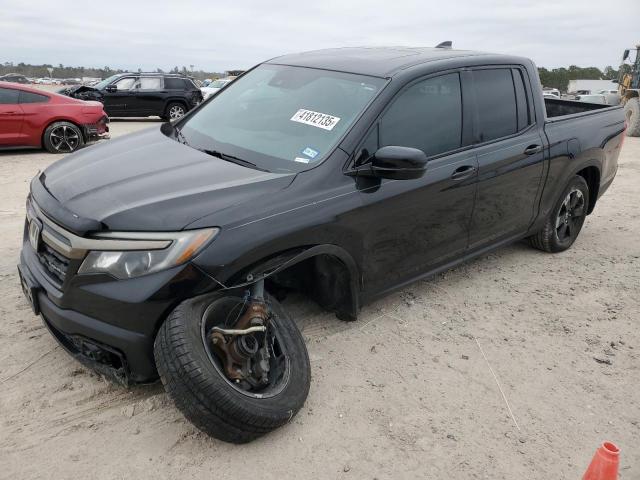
243 349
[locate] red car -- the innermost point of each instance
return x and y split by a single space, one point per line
34 118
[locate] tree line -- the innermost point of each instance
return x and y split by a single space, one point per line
555 78
559 77
61 71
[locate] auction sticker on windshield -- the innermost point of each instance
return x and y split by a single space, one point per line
315 119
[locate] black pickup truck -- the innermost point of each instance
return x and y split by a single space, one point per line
340 173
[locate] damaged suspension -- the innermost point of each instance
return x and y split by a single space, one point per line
243 348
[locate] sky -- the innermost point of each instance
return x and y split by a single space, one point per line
237 34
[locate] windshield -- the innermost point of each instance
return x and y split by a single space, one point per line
281 118
102 84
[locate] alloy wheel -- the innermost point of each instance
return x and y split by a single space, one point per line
64 138
570 215
176 111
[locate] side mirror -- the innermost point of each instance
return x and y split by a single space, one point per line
396 163
111 88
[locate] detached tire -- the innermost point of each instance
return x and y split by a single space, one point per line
565 220
632 114
202 392
62 137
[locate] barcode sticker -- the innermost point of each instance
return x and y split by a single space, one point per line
315 119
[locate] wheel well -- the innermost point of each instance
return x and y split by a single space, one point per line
325 279
44 130
591 175
180 102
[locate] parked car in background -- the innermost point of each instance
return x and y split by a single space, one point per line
551 91
342 173
15 78
591 98
214 86
612 97
206 82
34 118
169 96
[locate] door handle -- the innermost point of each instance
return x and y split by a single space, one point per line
463 172
532 149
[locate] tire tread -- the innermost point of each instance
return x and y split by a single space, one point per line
210 403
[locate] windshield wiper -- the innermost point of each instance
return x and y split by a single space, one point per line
231 158
180 136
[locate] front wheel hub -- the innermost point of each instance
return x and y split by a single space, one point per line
243 342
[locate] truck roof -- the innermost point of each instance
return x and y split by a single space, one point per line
374 61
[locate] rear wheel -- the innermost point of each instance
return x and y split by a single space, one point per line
235 387
62 137
632 114
565 221
174 111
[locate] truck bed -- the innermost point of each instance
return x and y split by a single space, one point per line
561 108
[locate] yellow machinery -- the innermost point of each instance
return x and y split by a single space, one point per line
629 89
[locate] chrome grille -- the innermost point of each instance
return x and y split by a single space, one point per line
54 264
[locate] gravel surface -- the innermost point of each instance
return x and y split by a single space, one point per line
514 366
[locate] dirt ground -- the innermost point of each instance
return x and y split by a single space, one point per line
404 392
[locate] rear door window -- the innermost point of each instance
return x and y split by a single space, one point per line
522 103
496 103
150 83
8 96
427 115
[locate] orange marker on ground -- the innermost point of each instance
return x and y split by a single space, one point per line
604 465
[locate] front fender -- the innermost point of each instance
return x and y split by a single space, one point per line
229 280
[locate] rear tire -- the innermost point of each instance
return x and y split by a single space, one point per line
174 111
565 220
206 397
62 137
632 114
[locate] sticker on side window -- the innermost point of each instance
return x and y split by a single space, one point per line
315 119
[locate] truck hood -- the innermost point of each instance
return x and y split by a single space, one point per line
149 182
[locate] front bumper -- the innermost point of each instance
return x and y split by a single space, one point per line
132 348
107 324
123 355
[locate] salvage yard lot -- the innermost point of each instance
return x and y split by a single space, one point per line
404 392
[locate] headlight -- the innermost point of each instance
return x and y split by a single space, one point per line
130 263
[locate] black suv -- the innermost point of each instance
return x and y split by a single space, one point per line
15 78
169 96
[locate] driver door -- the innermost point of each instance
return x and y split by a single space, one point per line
117 96
410 227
